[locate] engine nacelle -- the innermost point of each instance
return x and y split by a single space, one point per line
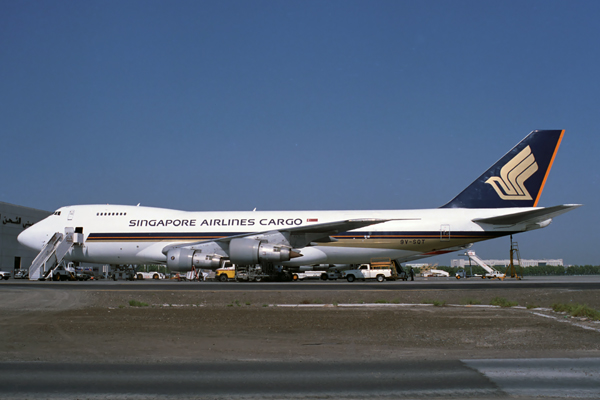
181 259
250 252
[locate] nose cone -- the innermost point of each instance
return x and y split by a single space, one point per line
30 238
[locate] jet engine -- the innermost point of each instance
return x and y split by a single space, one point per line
182 259
250 252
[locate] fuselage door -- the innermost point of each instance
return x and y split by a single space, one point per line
445 233
70 216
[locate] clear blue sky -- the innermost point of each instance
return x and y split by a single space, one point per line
283 105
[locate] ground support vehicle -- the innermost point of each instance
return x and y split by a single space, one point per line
335 272
331 275
251 273
123 272
63 273
226 272
199 275
22 274
366 271
4 275
83 275
300 276
433 273
492 273
149 275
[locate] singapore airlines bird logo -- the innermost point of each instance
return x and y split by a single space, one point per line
510 185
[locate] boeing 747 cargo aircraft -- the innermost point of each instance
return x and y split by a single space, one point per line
503 201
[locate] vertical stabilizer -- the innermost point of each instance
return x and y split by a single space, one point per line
517 179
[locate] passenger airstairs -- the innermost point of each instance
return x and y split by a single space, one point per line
491 272
51 255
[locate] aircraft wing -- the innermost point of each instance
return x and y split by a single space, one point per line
298 236
528 217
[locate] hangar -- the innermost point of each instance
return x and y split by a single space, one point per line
14 220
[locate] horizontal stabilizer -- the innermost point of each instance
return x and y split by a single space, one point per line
528 217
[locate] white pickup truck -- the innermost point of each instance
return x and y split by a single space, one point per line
366 271
4 275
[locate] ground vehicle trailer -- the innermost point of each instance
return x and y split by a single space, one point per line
149 275
366 271
4 275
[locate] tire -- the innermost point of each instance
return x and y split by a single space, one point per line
380 278
223 278
350 278
324 277
140 277
295 277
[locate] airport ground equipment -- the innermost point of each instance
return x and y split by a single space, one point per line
4 275
300 276
62 272
149 275
514 253
334 272
429 271
53 253
200 275
21 274
126 272
492 273
366 271
251 273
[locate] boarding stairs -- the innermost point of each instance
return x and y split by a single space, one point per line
51 255
491 272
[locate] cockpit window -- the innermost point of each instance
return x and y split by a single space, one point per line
57 213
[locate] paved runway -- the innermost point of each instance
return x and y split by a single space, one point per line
525 378
591 282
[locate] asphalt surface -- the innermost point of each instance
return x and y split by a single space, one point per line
525 378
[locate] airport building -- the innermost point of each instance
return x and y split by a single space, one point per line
14 220
462 262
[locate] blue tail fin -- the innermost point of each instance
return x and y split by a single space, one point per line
517 179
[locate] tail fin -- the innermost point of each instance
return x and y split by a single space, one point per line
517 179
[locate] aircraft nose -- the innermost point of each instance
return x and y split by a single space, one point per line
30 238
